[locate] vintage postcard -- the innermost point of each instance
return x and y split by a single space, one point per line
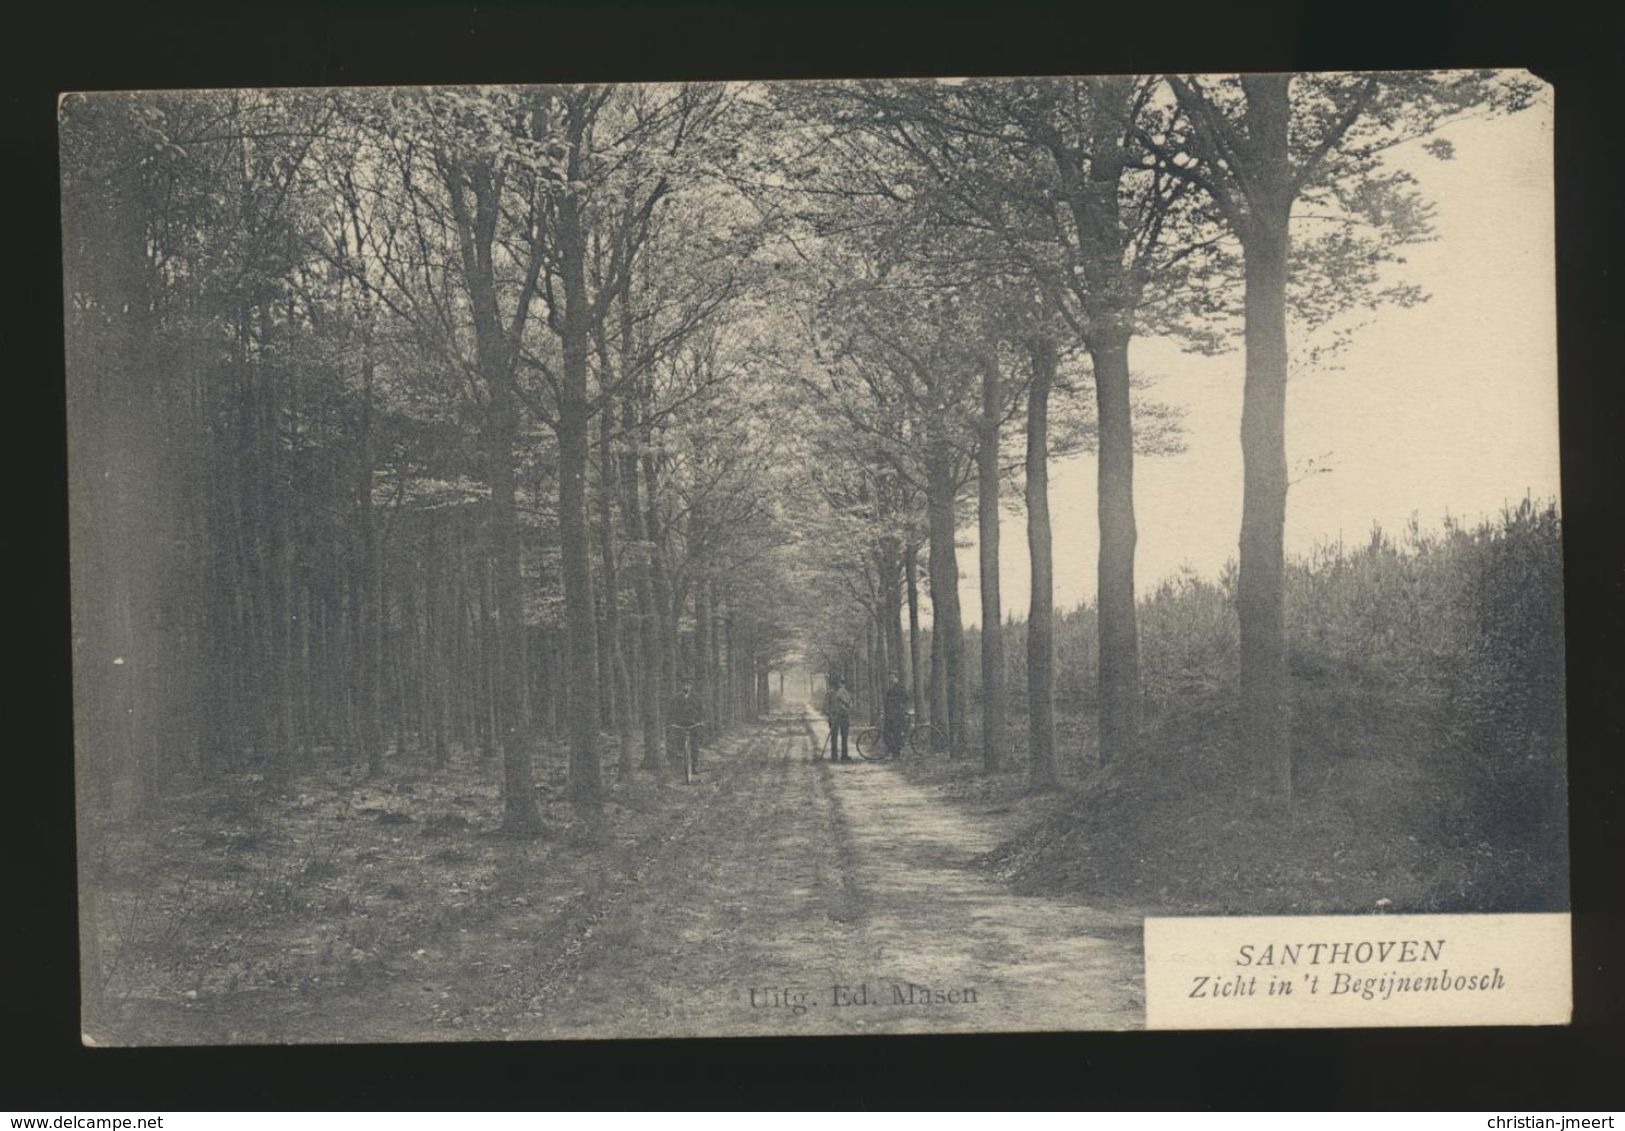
850 557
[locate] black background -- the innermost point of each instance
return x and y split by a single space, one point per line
77 47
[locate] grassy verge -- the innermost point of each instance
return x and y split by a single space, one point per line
234 913
1391 813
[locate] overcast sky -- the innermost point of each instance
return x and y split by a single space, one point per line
1449 407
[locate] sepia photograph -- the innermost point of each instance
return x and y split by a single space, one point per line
824 557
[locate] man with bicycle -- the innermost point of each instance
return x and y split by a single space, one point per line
838 710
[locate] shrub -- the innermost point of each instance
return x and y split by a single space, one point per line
1440 648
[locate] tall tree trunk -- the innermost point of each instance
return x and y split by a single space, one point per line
495 362
581 629
994 737
223 740
1119 635
306 723
1042 769
608 483
916 666
574 421
520 814
665 658
468 640
400 665
1108 292
558 686
875 664
892 597
730 676
699 670
1259 209
275 504
367 664
485 721
409 662
947 630
668 583
1264 230
1260 585
586 782
115 435
650 703
295 571
714 659
437 643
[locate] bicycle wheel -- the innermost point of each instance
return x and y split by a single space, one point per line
871 745
926 739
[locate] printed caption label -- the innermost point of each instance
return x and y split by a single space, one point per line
1343 971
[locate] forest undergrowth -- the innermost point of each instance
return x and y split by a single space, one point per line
1429 772
235 899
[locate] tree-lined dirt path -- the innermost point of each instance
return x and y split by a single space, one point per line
935 920
800 877
779 894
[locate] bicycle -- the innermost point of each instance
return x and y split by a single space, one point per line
920 738
688 749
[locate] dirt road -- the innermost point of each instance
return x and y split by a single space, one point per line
806 897
779 894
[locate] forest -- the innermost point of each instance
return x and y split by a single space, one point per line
425 442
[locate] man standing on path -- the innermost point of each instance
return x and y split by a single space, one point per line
838 710
894 716
686 718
